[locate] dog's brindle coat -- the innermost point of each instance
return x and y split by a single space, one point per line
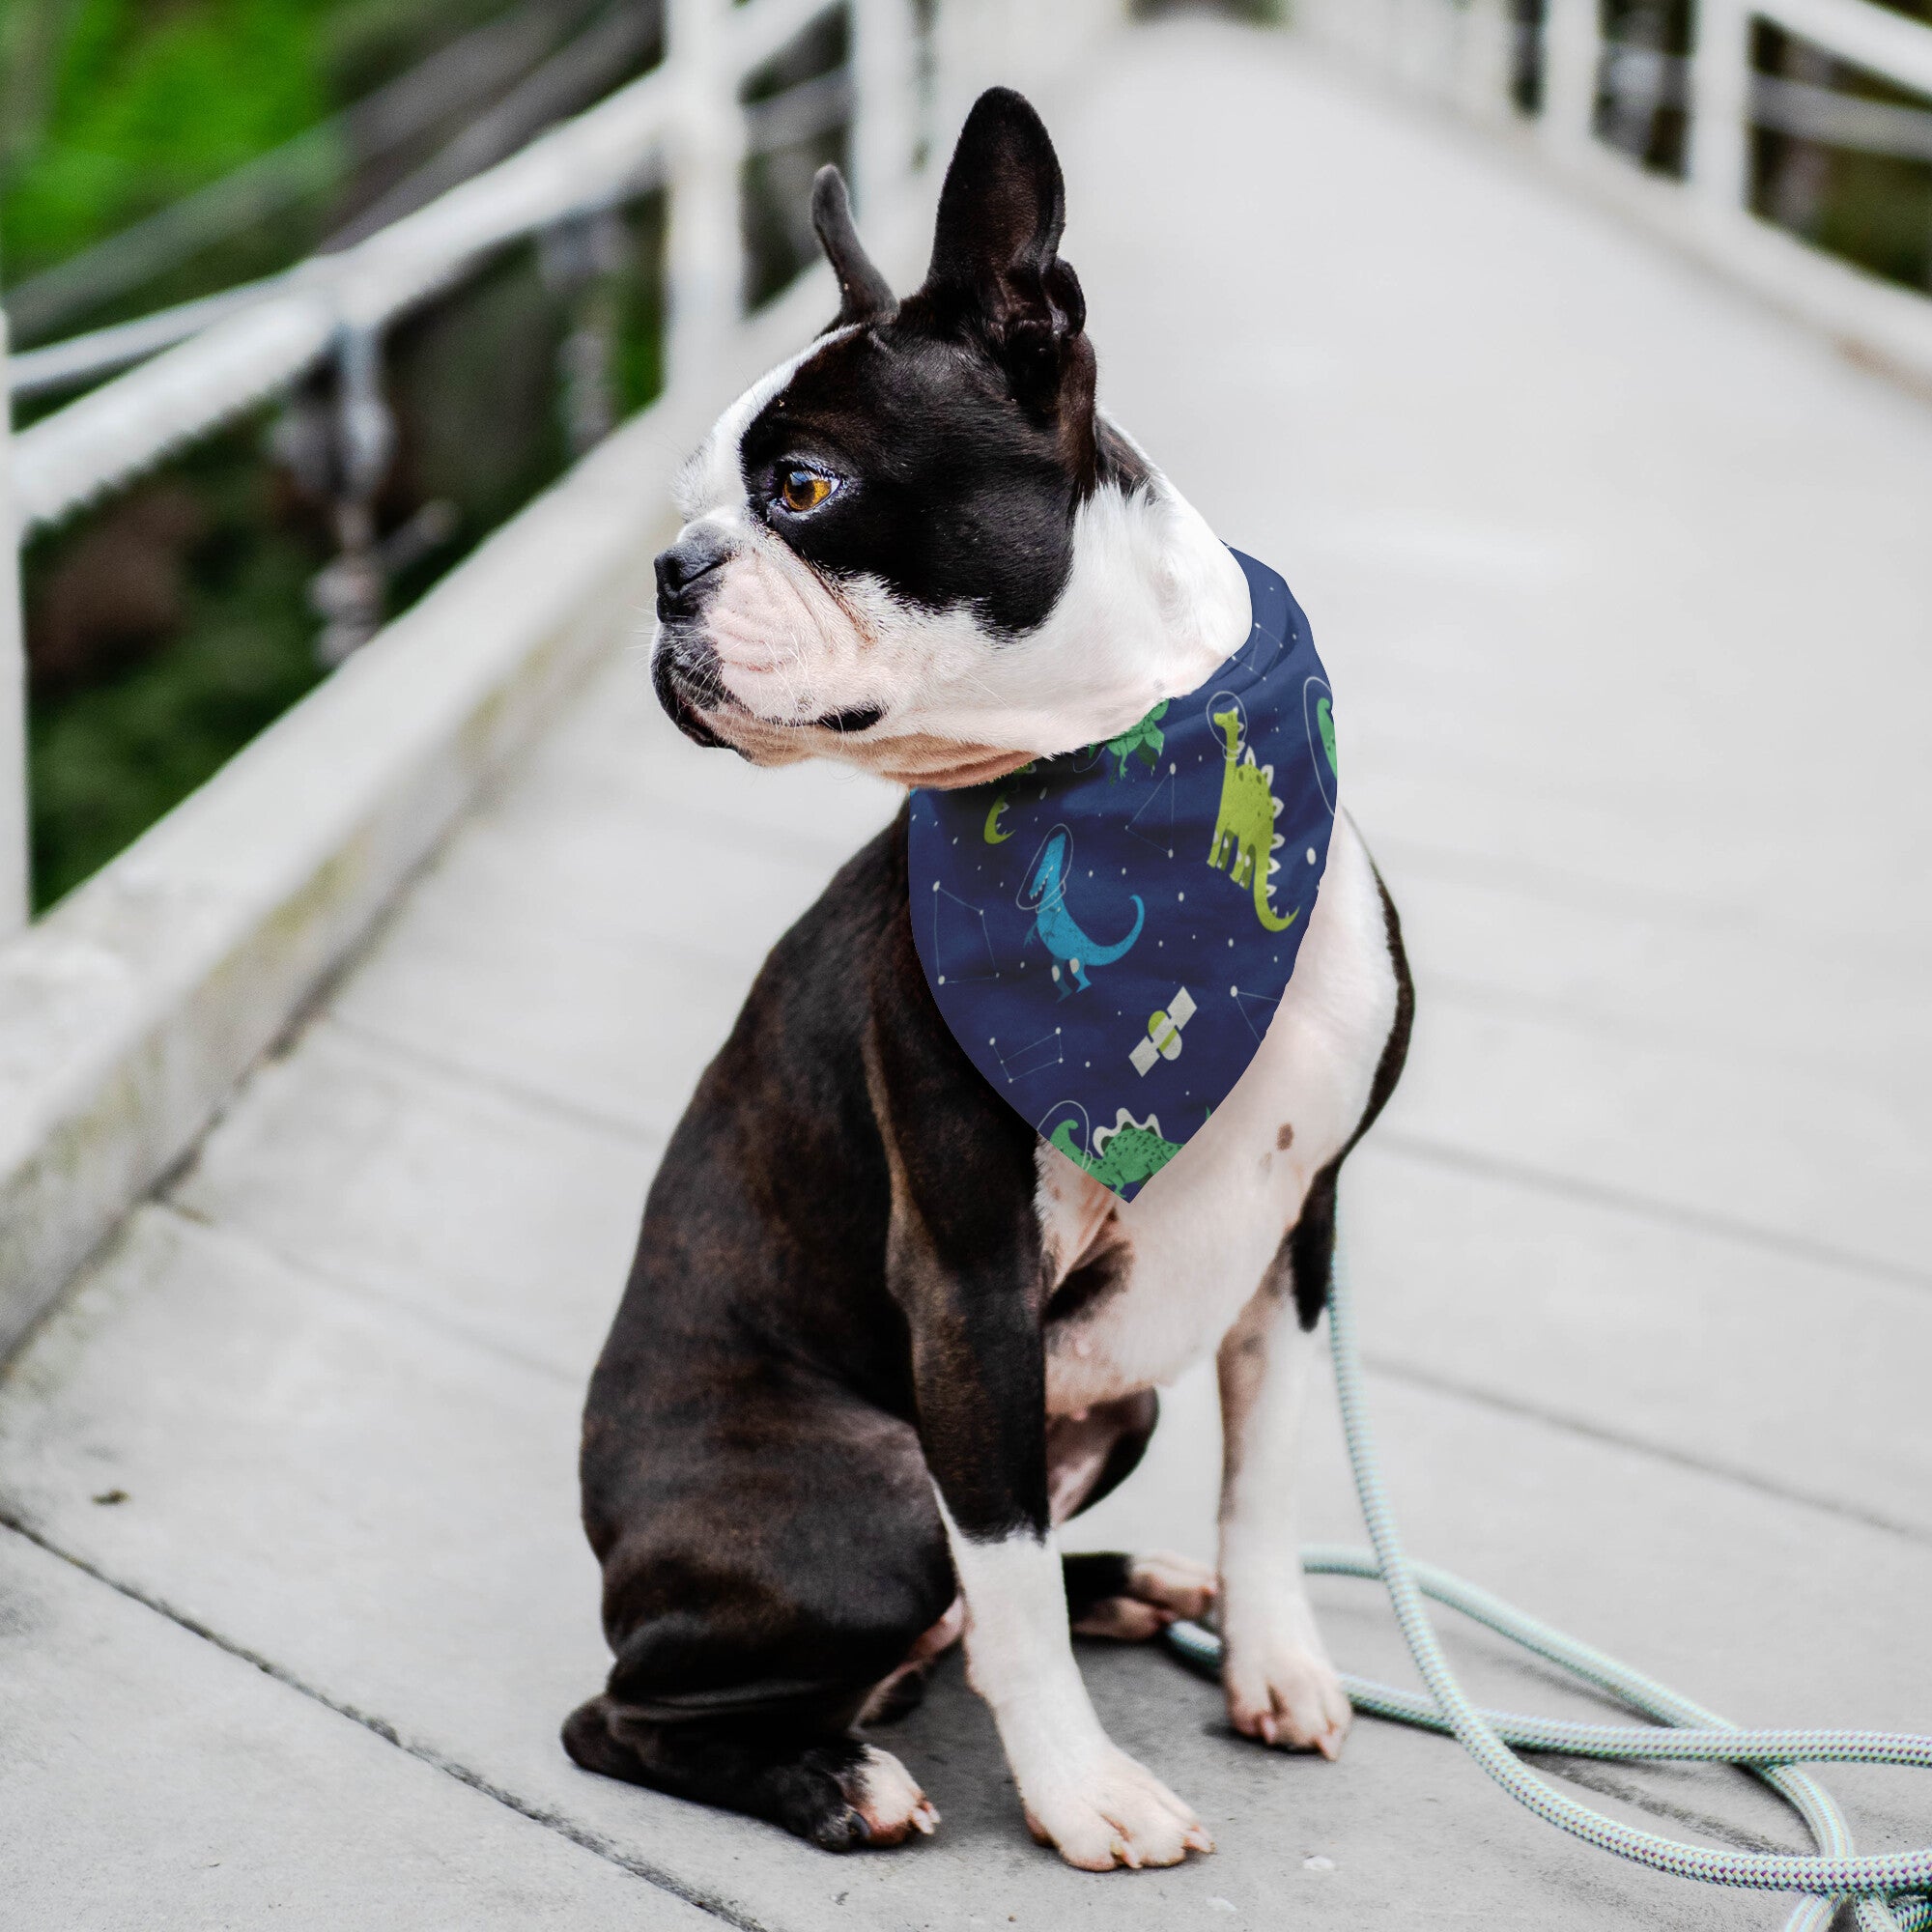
879 1338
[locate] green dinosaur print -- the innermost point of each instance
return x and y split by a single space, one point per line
1140 741
992 832
1123 1154
1324 722
1245 834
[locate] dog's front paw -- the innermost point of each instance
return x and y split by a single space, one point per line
1112 1812
1285 1692
878 1804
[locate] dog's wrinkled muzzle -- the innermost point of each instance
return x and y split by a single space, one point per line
684 674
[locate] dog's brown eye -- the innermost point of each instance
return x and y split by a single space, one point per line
804 490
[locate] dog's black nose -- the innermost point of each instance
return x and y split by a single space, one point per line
685 571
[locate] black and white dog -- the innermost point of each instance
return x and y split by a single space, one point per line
880 1338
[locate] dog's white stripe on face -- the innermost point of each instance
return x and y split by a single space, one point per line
711 478
1080 1791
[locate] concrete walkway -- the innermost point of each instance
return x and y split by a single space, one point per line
1627 594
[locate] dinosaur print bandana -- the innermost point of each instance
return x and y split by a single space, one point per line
1108 932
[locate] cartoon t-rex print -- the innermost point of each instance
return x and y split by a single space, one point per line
1056 928
1245 834
1123 1154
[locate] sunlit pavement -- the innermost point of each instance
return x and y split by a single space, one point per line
1625 586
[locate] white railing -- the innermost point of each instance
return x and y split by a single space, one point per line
128 1012
681 127
1469 55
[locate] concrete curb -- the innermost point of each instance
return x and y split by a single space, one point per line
130 1011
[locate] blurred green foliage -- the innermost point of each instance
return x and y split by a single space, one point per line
137 104
110 753
110 109
170 624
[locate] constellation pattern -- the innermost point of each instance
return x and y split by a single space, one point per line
1024 1061
960 942
1251 1005
1153 823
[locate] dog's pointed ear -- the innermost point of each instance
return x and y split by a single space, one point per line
863 291
995 249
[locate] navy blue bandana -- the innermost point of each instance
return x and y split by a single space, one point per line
1108 933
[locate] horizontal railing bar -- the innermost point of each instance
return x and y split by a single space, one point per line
591 159
1886 44
235 362
127 424
78 358
796 115
754 34
800 112
442 85
1800 109
1808 113
575 74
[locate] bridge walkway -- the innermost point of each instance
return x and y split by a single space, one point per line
1625 586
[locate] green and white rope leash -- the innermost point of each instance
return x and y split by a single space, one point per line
1879 1886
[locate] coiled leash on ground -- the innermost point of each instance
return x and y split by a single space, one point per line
1881 1887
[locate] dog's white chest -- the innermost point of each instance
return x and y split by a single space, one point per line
1146 1288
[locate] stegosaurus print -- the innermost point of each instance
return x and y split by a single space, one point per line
1124 1155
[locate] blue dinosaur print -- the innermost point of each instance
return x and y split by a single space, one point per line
1056 928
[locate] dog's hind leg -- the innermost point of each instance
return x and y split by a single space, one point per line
1092 1453
1109 1593
1130 1599
760 1580
824 1785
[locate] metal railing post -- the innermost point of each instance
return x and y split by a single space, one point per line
348 595
1483 60
1721 107
1573 50
703 254
13 900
